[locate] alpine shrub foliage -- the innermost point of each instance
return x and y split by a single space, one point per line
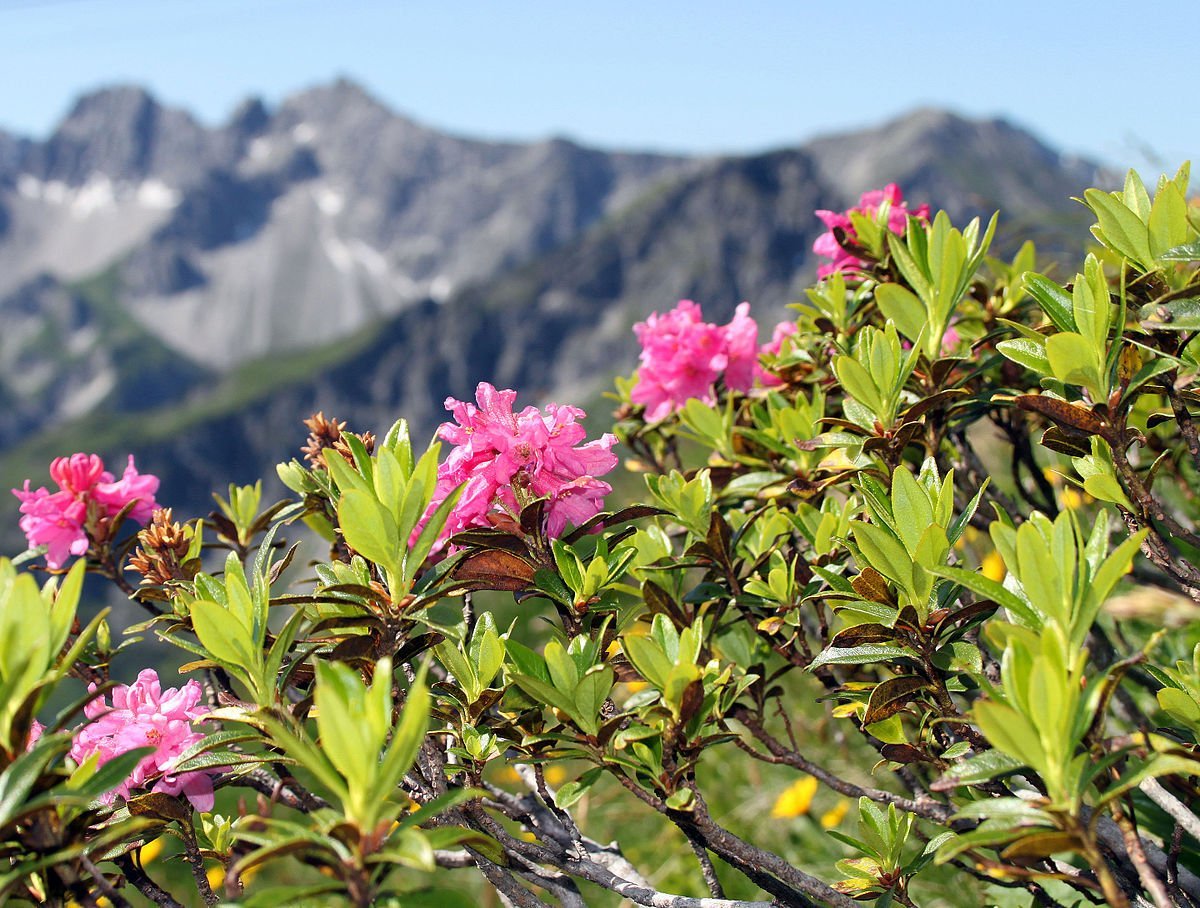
930 548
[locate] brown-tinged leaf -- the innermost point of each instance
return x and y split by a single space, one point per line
1061 442
483 538
163 806
941 369
198 665
693 699
608 519
872 586
909 618
905 434
864 633
925 404
972 613
495 569
1041 845
360 646
282 565
891 696
659 601
1068 416
532 517
486 701
1128 363
771 625
904 753
718 539
415 646
503 522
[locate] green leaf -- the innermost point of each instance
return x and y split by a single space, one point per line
525 660
1028 353
978 769
1168 222
590 694
408 736
570 793
648 659
346 736
911 510
226 639
1177 315
542 692
1187 252
993 591
1180 705
1073 360
884 552
900 305
862 655
1055 301
369 529
563 672
858 383
1122 229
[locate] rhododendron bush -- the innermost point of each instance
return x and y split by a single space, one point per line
897 601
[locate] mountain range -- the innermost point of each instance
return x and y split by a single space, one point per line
189 293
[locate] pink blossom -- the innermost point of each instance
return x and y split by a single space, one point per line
774 347
67 521
505 459
683 356
144 715
950 339
36 730
133 486
827 246
741 337
55 521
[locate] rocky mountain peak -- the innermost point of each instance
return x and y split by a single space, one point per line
123 134
249 118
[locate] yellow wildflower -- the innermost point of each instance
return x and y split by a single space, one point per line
151 850
1073 499
993 567
216 876
796 799
555 775
834 815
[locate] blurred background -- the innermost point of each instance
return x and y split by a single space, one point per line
217 217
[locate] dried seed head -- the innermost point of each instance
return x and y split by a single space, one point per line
330 433
367 438
322 433
163 547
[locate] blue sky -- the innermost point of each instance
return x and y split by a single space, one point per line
693 76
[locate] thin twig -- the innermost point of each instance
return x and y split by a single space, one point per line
102 881
1184 818
1137 855
143 884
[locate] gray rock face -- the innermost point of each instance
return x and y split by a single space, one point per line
317 218
191 293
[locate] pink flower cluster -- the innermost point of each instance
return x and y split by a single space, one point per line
505 460
87 498
683 356
144 715
827 245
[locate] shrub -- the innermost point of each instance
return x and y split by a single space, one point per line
931 548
